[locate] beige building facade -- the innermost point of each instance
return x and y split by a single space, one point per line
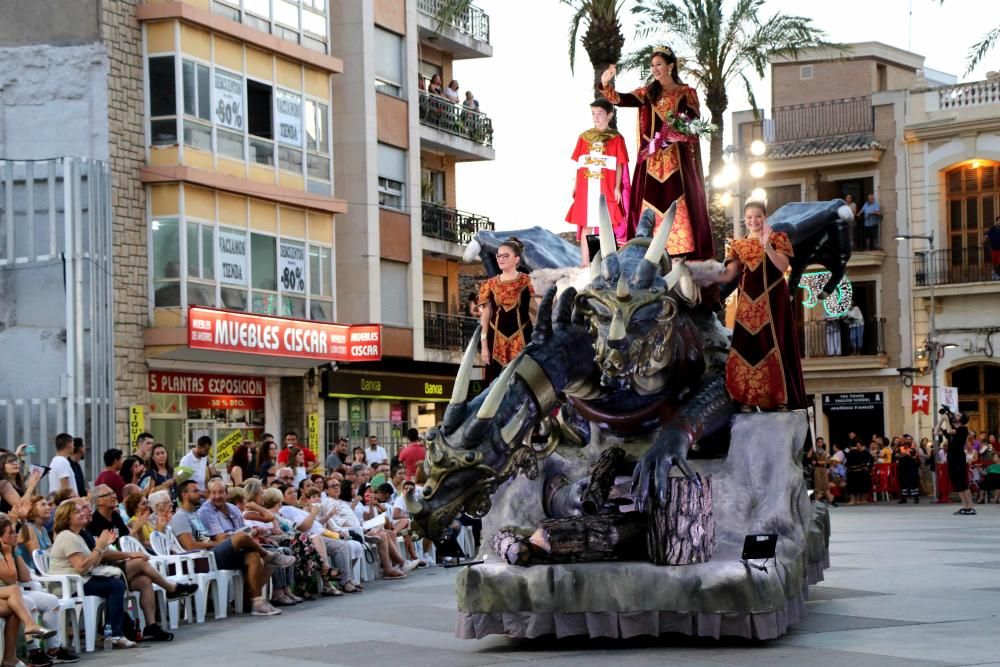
836 131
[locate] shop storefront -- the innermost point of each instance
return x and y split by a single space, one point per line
238 375
862 413
370 402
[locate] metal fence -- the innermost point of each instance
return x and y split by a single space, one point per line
834 338
449 224
953 265
853 115
391 435
55 222
473 21
448 332
455 119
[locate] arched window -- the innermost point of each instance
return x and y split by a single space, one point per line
979 395
972 189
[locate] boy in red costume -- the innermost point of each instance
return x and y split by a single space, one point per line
601 159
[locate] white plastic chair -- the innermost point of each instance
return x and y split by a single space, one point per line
229 582
185 564
70 609
169 609
71 586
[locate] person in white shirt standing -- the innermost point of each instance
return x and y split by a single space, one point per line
197 460
61 474
375 453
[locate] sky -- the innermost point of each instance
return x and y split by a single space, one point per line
538 107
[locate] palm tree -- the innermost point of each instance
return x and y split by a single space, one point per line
602 37
716 50
979 50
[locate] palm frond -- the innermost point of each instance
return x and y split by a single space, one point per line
979 50
449 12
574 29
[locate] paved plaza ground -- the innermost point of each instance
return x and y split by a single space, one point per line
909 585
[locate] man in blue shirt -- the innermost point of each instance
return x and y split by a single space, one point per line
218 516
871 214
993 238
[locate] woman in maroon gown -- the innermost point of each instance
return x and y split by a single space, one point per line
667 167
764 367
505 310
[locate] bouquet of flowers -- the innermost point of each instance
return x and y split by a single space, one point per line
680 128
683 124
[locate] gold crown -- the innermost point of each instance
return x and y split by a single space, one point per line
663 48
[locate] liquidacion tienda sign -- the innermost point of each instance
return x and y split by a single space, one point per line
232 258
288 117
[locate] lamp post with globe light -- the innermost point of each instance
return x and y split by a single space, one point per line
932 347
732 173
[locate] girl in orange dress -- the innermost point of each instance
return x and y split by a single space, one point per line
505 303
764 367
668 164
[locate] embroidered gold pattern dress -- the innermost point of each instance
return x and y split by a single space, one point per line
510 324
764 367
669 172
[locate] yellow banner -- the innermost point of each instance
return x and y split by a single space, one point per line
313 429
136 423
227 446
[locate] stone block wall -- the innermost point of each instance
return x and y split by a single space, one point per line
122 36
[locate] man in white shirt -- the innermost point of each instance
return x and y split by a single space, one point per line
61 472
375 453
197 460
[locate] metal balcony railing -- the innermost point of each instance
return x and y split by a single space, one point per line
832 118
952 266
473 21
449 224
834 338
448 332
456 119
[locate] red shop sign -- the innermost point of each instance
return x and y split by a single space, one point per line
225 402
205 384
226 331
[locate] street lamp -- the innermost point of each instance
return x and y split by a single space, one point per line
932 347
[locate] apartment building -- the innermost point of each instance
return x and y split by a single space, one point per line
952 150
836 130
211 119
400 243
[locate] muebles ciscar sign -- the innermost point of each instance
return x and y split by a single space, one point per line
226 331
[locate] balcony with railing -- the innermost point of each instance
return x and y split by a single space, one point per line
820 128
964 95
464 34
953 266
448 332
450 224
456 130
829 341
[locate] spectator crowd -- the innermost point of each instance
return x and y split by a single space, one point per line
148 535
901 469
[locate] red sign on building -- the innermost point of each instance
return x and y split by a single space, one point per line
226 331
204 390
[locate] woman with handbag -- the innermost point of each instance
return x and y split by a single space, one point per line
71 555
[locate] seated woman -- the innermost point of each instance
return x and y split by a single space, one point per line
15 492
159 475
33 534
301 537
14 570
240 465
132 470
383 539
139 514
71 555
333 550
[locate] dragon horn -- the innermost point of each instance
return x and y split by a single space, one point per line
622 290
595 266
659 242
413 505
609 247
456 406
617 329
488 410
510 430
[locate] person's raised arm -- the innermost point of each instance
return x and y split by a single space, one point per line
485 312
779 258
634 99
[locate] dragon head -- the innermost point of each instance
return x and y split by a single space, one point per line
631 307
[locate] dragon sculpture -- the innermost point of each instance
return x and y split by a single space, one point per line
636 355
